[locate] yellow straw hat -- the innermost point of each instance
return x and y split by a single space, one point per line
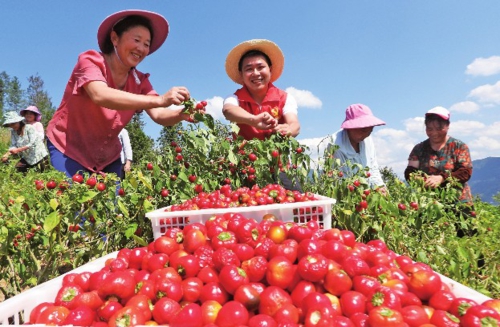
270 48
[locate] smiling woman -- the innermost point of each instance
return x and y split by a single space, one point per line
104 92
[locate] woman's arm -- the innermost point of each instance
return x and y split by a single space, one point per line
32 137
103 95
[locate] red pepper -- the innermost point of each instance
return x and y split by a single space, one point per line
231 277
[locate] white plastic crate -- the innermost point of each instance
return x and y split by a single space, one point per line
299 212
21 305
17 309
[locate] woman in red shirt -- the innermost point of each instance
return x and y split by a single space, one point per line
105 90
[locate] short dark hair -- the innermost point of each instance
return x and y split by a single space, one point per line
253 53
124 25
438 119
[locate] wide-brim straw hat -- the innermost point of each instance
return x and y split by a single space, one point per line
11 117
360 116
159 24
270 48
34 110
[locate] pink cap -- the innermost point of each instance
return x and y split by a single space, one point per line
360 116
34 110
440 111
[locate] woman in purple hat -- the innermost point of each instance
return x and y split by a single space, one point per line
355 143
105 90
32 116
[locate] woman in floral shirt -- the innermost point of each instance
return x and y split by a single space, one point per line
26 142
441 155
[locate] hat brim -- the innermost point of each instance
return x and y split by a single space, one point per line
444 116
362 122
38 115
270 48
159 24
12 122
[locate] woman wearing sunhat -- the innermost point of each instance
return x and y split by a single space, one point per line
105 90
25 142
259 108
355 143
32 116
441 155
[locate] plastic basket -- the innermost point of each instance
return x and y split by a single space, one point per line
17 309
299 212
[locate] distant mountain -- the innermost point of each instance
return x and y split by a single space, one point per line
485 180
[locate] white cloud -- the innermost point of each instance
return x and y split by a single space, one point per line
467 107
214 108
487 93
414 125
485 143
305 98
317 147
492 130
484 66
465 127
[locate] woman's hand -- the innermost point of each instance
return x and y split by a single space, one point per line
15 150
383 190
175 95
6 156
433 181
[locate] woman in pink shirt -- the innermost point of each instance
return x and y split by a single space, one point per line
105 90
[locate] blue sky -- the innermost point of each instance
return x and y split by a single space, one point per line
401 58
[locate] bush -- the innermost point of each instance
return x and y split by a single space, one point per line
45 232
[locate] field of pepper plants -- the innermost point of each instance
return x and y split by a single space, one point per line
50 224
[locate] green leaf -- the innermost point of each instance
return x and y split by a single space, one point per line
133 182
51 221
462 253
122 207
139 240
88 195
130 230
148 206
232 157
440 250
182 176
235 128
145 181
54 204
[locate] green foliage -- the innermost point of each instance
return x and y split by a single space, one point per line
44 232
38 97
142 145
13 97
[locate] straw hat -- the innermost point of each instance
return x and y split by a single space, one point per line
360 116
11 117
34 110
158 23
270 48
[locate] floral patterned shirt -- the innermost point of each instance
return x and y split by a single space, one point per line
33 140
451 160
